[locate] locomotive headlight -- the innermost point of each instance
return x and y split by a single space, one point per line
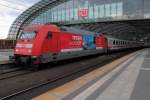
34 56
29 51
17 50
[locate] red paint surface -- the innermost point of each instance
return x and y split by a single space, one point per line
101 41
70 41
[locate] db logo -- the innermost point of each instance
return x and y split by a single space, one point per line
83 12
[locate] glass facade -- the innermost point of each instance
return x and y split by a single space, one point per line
68 11
98 10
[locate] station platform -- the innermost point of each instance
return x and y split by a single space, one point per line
4 55
126 78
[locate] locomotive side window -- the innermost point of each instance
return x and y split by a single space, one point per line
49 35
114 42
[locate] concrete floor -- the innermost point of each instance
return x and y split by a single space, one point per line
128 81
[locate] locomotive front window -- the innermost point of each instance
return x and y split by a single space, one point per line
28 35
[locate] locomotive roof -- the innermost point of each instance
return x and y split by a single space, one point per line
62 28
76 30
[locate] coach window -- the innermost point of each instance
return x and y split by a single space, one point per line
49 35
114 42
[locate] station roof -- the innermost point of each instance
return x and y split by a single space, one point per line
131 29
28 15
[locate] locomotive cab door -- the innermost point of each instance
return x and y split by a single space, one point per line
50 43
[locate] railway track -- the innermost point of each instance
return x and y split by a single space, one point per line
4 71
8 67
14 73
9 70
64 75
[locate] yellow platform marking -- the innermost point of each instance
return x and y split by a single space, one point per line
64 90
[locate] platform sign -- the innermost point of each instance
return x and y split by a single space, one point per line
83 12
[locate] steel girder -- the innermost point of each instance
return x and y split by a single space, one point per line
27 16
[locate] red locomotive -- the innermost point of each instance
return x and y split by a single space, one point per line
48 43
